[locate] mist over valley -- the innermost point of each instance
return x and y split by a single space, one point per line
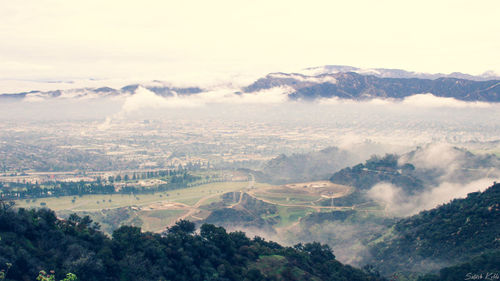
286 158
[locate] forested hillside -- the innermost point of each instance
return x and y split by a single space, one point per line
37 240
379 169
453 233
425 166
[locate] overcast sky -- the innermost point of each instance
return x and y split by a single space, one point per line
71 39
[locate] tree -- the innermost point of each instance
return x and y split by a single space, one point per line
5 205
182 226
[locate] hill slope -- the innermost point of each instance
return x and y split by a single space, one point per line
452 233
35 240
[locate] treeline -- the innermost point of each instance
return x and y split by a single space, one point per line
32 240
54 189
145 175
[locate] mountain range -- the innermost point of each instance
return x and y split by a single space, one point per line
344 82
397 73
351 85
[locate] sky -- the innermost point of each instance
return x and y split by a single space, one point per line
60 40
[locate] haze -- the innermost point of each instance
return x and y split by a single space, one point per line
341 122
209 42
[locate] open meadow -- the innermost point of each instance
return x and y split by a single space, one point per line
188 196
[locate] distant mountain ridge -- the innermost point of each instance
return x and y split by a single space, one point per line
331 81
397 73
351 85
161 90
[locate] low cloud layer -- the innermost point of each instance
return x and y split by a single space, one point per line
347 121
435 156
448 173
397 203
230 93
144 99
430 100
427 100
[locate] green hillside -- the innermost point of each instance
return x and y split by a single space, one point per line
379 169
34 240
450 234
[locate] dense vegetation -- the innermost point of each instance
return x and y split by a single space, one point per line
452 233
375 170
379 169
34 240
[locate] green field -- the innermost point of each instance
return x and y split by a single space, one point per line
154 212
188 196
157 220
307 194
211 200
288 198
289 215
99 207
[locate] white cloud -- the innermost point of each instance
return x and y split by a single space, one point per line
34 97
305 78
144 99
430 100
441 156
399 204
413 101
